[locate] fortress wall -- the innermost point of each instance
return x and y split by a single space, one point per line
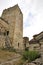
18 34
9 16
14 17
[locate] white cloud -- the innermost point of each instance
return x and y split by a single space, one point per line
36 25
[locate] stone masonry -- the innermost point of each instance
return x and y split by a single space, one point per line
12 21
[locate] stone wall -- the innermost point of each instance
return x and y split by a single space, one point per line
34 47
14 17
26 42
2 37
2 41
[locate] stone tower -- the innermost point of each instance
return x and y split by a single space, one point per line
14 17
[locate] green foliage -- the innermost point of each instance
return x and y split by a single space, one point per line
30 55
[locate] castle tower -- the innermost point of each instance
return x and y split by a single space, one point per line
14 17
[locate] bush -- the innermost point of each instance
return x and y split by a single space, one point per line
30 55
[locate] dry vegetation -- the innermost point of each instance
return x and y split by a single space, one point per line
6 55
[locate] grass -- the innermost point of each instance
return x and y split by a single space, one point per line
6 54
19 62
30 55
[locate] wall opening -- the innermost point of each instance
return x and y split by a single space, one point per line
18 44
7 32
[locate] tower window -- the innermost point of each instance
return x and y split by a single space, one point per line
7 32
18 44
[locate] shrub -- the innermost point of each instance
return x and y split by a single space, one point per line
30 55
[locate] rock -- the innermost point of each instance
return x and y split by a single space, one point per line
37 61
31 64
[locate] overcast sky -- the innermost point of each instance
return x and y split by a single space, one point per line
32 14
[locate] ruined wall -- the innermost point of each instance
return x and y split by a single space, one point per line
26 42
2 37
14 17
9 16
18 34
34 47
